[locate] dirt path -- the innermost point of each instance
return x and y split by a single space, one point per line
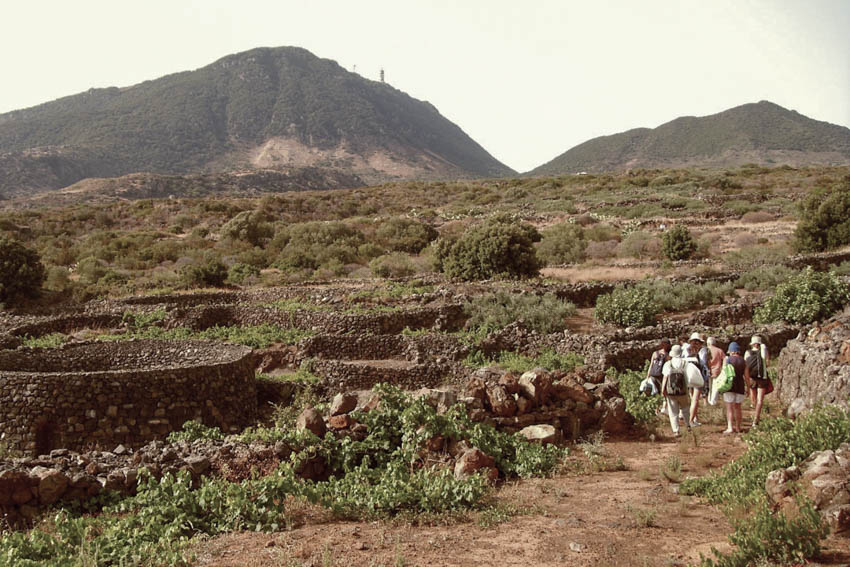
582 516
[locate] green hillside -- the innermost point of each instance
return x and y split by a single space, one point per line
211 118
762 133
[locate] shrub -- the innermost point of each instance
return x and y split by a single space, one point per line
601 250
602 233
405 235
501 247
639 405
824 219
747 258
678 244
628 306
765 278
247 226
21 270
757 217
562 244
685 295
639 244
238 273
207 271
804 298
493 311
310 245
395 265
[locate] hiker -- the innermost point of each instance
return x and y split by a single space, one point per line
738 392
674 387
756 359
699 357
652 383
715 366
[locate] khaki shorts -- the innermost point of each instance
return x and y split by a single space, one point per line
733 398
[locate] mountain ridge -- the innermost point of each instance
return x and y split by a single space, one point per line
761 132
260 108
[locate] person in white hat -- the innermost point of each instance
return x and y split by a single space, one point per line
674 387
756 359
699 357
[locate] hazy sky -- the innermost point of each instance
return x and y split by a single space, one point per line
527 80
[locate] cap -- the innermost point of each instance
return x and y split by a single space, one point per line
756 340
695 337
733 347
676 351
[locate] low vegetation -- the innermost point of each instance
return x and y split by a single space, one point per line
806 297
542 313
21 271
382 475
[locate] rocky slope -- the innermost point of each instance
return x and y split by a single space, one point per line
265 108
762 133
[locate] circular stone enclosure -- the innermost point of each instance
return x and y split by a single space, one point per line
88 395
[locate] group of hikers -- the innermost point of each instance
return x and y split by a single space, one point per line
698 368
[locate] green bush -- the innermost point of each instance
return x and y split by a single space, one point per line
21 271
501 247
310 245
395 265
639 244
682 296
548 359
678 244
824 219
777 443
809 296
494 311
628 306
638 404
770 538
765 278
405 235
562 244
247 226
204 272
238 273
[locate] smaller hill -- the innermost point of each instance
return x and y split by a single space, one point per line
763 133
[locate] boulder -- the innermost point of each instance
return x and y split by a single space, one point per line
510 383
536 386
311 420
500 403
477 391
441 399
567 389
343 403
540 433
523 405
473 461
197 464
615 418
337 422
52 484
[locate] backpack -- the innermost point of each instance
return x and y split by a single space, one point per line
677 382
657 364
723 382
756 365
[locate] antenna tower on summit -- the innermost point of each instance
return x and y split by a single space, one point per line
382 75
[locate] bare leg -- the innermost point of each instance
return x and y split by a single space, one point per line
729 428
695 393
759 403
738 417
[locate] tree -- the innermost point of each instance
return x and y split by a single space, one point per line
247 226
21 270
824 219
678 244
501 247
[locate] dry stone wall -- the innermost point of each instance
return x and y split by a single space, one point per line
121 393
815 366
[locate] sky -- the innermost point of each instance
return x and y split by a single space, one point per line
526 80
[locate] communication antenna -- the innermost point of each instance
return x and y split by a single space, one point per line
382 75
354 70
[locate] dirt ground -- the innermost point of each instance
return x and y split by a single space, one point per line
624 512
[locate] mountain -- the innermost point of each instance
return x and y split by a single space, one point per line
264 108
762 133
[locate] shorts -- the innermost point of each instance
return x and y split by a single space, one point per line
733 398
762 383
